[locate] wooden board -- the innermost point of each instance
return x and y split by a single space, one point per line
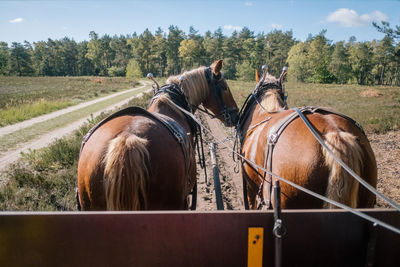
314 238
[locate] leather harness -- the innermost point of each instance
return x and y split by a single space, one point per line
274 134
177 131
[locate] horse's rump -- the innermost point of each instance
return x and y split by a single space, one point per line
138 153
297 156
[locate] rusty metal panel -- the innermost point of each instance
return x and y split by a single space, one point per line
314 238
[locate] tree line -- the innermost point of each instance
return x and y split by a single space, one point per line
165 53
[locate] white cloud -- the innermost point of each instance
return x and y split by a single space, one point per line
248 4
232 28
276 26
17 20
349 17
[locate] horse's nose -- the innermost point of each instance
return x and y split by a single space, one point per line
233 117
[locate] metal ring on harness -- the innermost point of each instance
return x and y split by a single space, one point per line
278 226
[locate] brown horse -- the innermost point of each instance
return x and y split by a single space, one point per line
145 160
275 138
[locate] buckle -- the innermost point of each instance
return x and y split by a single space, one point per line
272 138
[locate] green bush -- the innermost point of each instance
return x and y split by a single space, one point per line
133 70
115 71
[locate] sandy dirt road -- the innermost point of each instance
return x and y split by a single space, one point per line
231 181
44 140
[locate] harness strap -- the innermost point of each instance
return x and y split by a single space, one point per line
180 135
273 136
177 131
122 112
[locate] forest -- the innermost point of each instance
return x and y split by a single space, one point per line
315 60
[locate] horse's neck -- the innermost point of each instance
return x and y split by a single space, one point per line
196 94
263 109
270 103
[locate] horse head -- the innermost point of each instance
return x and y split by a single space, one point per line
220 101
268 85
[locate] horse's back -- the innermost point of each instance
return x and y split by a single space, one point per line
298 156
163 151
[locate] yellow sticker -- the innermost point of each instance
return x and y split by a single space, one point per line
255 247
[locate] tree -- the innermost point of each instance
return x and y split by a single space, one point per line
230 57
100 53
189 53
4 58
133 70
143 51
84 65
20 59
158 53
298 62
387 30
122 51
319 56
245 71
276 49
245 43
69 57
361 61
213 45
383 56
175 37
339 65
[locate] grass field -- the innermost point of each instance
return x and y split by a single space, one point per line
45 179
11 140
22 98
376 108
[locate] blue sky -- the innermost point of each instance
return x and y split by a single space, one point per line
40 20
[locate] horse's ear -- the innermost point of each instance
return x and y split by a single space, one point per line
155 86
283 74
257 76
217 66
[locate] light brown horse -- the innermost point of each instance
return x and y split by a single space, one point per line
296 154
146 160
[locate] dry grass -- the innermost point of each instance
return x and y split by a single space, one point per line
22 98
377 113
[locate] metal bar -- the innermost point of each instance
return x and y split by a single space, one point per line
217 183
278 224
202 158
194 197
245 199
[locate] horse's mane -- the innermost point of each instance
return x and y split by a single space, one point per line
194 85
271 100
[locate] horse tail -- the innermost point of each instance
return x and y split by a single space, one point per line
125 174
342 187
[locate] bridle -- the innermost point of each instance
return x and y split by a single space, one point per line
216 87
178 98
262 87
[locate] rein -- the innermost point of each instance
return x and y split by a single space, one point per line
335 203
307 191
